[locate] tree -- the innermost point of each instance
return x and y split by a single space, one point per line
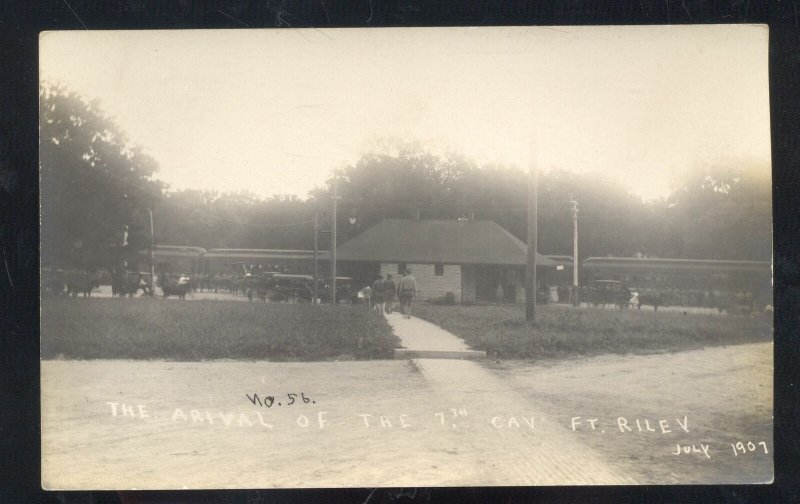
722 212
713 213
234 220
407 181
94 184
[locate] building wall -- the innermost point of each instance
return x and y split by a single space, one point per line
429 285
469 283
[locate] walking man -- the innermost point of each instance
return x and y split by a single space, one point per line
407 290
377 294
389 289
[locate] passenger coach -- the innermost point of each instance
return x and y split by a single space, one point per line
687 274
222 261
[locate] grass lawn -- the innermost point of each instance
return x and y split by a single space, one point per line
563 331
78 328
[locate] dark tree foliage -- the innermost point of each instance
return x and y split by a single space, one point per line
233 220
93 183
721 212
712 213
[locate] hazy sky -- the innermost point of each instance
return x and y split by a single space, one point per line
274 111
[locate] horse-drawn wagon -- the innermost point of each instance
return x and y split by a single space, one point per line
279 287
605 292
345 290
291 288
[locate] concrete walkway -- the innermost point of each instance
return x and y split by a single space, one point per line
543 453
423 339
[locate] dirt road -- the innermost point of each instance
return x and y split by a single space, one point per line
135 424
724 393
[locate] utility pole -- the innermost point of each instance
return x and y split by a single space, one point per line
334 199
316 254
530 270
152 255
576 300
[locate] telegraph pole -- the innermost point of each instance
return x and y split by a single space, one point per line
576 300
316 254
530 270
334 199
152 256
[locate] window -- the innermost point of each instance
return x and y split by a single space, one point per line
401 268
438 269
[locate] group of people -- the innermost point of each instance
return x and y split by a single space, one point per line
381 295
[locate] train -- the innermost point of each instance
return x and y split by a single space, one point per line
197 260
691 274
753 278
692 278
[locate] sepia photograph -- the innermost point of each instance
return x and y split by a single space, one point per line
405 257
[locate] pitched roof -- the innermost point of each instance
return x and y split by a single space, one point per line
438 241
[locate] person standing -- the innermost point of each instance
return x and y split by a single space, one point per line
377 294
407 290
389 290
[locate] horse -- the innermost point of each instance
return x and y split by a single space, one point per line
654 300
175 289
127 284
81 282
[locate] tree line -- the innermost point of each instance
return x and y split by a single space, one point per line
98 192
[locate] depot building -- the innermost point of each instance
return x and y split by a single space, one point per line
475 260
